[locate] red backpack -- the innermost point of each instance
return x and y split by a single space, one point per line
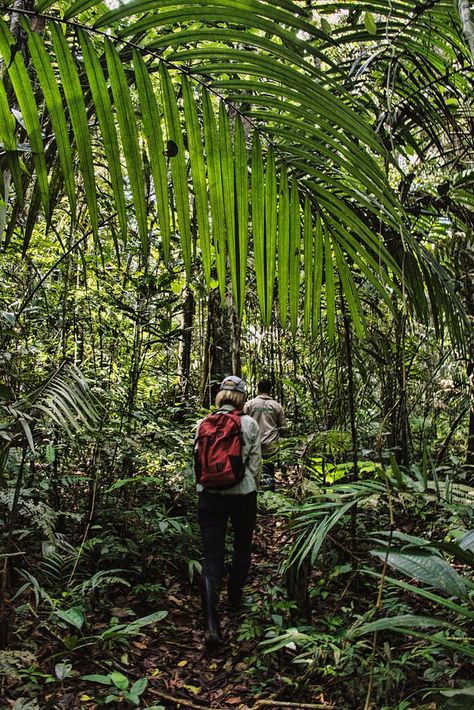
218 461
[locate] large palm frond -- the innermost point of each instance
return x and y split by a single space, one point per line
247 96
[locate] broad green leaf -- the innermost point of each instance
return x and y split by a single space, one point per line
214 178
467 542
62 670
131 697
105 117
283 244
129 137
242 208
29 110
198 170
139 686
326 26
131 629
178 165
258 219
151 120
73 616
295 255
466 691
370 24
428 568
97 678
463 611
406 621
78 114
119 680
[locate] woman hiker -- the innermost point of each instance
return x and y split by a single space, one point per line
228 463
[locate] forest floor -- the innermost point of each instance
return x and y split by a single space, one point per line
183 674
180 672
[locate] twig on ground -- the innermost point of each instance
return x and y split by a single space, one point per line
177 701
304 706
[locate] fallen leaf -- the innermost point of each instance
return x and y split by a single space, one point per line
121 613
192 689
234 700
182 663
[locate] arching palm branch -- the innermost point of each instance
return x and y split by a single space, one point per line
231 104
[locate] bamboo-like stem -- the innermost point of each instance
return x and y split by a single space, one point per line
378 604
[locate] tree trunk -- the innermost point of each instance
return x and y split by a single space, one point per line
464 260
219 347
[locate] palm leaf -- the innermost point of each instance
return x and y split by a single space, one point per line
105 113
270 234
258 219
178 165
317 275
198 168
129 136
228 193
77 112
308 264
151 120
330 290
29 110
242 208
283 244
9 144
54 105
216 200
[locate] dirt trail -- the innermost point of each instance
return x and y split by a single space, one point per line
182 673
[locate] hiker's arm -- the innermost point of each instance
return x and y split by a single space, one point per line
254 459
282 422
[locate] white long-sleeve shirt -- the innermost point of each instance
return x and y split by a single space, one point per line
251 454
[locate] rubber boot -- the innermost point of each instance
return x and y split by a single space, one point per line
212 637
234 598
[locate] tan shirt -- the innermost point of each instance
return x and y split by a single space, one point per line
270 416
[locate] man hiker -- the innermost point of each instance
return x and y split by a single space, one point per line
270 416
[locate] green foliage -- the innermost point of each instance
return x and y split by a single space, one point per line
121 688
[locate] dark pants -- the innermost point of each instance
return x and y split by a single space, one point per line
268 476
214 510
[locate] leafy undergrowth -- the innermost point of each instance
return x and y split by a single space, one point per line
179 672
130 635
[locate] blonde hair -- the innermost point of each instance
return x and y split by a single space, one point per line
237 399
